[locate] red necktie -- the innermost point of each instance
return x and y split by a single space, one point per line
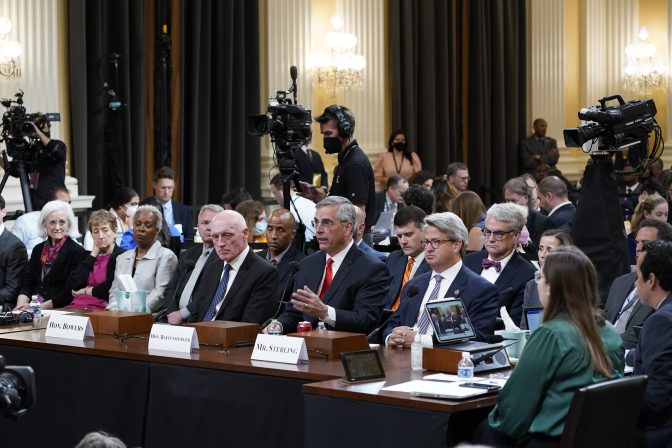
328 274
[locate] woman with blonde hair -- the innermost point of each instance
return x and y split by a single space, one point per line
255 217
469 207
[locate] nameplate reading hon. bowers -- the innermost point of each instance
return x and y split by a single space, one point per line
283 349
172 338
67 326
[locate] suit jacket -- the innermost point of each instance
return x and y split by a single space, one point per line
530 300
57 284
251 297
80 276
284 270
380 205
185 216
307 168
535 223
396 265
371 251
13 260
478 294
357 291
530 146
653 357
561 219
511 281
177 283
619 291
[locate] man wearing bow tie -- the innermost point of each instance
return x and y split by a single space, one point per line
499 263
445 241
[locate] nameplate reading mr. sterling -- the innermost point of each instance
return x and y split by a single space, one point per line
172 338
67 326
283 349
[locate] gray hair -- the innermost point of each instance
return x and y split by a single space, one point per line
54 206
151 210
346 211
100 439
517 185
508 213
215 208
450 224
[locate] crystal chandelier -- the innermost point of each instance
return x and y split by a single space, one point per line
642 71
342 68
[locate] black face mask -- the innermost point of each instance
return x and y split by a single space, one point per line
400 146
332 145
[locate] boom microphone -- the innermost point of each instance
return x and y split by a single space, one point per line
412 291
189 266
294 267
293 73
489 355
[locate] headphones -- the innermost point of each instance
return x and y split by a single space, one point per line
344 127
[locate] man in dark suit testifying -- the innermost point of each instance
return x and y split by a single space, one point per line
339 285
280 232
13 260
624 308
241 286
499 263
653 356
185 279
409 261
445 241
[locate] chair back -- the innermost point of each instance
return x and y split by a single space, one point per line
604 414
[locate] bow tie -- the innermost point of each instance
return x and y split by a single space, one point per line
487 263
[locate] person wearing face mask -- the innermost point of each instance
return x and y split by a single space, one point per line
123 206
92 278
255 217
399 159
47 163
353 178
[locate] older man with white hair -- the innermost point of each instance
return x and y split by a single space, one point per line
499 263
240 286
445 242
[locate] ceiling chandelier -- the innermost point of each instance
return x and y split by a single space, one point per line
642 72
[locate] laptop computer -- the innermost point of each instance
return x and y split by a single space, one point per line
533 317
452 326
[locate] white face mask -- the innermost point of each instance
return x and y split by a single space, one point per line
130 211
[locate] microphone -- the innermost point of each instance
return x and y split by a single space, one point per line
412 292
189 266
489 355
293 74
294 267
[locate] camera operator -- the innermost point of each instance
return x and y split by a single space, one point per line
47 164
354 174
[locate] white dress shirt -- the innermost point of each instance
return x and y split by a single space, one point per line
235 267
338 261
491 274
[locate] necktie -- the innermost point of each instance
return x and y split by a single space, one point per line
405 279
621 320
423 324
185 297
628 191
487 263
328 274
219 294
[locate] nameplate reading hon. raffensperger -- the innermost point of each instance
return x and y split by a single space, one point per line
285 349
172 338
68 326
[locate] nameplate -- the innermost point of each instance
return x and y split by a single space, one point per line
172 338
283 349
68 326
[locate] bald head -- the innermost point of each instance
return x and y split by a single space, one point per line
280 231
229 234
360 218
552 191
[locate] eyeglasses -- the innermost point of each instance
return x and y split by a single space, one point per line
465 179
434 243
497 235
537 276
326 223
57 222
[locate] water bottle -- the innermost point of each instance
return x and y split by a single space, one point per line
274 328
465 368
35 308
321 326
416 353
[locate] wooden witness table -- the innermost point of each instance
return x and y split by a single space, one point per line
215 396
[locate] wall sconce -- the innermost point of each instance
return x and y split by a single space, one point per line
10 50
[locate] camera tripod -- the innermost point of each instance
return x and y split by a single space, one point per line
18 167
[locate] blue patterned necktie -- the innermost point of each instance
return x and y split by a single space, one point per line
219 294
423 324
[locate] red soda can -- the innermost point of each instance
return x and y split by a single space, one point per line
304 326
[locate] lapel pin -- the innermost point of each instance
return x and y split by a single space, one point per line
457 292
